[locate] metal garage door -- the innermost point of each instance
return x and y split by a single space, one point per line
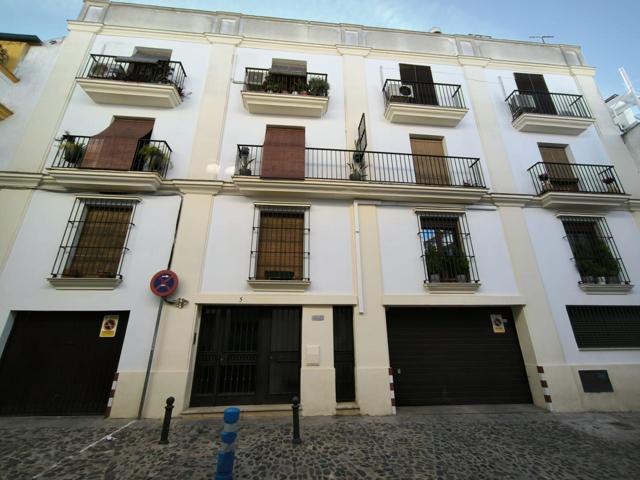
56 363
453 356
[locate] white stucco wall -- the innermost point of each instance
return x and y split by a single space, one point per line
176 126
242 127
561 278
226 262
384 136
21 98
24 286
522 147
402 269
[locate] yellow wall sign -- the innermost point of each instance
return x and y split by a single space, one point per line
109 325
497 322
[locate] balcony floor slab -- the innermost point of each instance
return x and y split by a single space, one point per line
105 180
131 93
424 114
540 123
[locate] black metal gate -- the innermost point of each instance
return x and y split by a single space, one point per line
343 358
247 355
56 363
449 356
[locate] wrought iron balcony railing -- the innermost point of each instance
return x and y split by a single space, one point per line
420 93
262 80
110 67
574 177
150 155
561 104
376 167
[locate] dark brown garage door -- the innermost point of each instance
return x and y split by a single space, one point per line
56 363
452 356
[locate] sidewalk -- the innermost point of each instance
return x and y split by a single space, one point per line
411 445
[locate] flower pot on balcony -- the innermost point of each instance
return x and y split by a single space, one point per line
356 176
601 280
155 160
434 277
244 172
589 279
461 278
73 152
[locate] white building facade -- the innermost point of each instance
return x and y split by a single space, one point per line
361 217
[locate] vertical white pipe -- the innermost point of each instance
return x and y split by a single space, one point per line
356 225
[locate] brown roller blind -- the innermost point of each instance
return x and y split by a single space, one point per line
283 153
430 167
100 243
559 169
280 246
115 147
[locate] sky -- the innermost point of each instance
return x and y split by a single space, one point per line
608 31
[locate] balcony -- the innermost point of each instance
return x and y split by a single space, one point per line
124 81
289 95
335 173
74 167
577 184
543 112
436 104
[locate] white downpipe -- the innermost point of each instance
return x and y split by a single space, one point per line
360 286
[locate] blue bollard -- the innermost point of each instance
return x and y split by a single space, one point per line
226 454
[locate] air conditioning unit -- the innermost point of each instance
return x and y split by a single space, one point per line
406 91
524 102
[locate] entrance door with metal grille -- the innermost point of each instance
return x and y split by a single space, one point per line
247 355
56 363
454 356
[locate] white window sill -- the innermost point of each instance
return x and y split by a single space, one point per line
452 287
279 285
606 289
73 283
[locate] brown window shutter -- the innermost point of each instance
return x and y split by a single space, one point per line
283 153
428 162
115 147
280 246
531 82
100 242
559 169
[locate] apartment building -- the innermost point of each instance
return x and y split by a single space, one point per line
364 217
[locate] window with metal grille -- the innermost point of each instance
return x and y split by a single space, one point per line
447 252
95 239
605 326
280 243
594 251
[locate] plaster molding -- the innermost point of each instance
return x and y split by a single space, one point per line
582 70
69 283
451 287
454 299
554 124
634 204
607 289
105 180
352 50
285 104
220 39
353 190
438 116
211 187
20 180
82 26
122 31
140 94
280 285
466 60
273 298
510 199
577 200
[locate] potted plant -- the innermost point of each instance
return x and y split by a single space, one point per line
302 88
358 171
243 167
318 87
599 265
544 178
71 150
99 70
155 159
434 263
460 265
611 184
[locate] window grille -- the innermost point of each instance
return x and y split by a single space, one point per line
605 326
594 251
447 251
95 239
280 243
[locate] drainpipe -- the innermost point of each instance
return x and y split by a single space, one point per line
356 225
157 326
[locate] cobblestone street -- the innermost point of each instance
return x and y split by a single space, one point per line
409 446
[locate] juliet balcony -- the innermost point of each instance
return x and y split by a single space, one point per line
110 164
436 104
139 80
278 91
544 112
335 173
577 185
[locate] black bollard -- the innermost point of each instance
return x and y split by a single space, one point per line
295 408
164 436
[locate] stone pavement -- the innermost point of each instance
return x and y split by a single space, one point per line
412 445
